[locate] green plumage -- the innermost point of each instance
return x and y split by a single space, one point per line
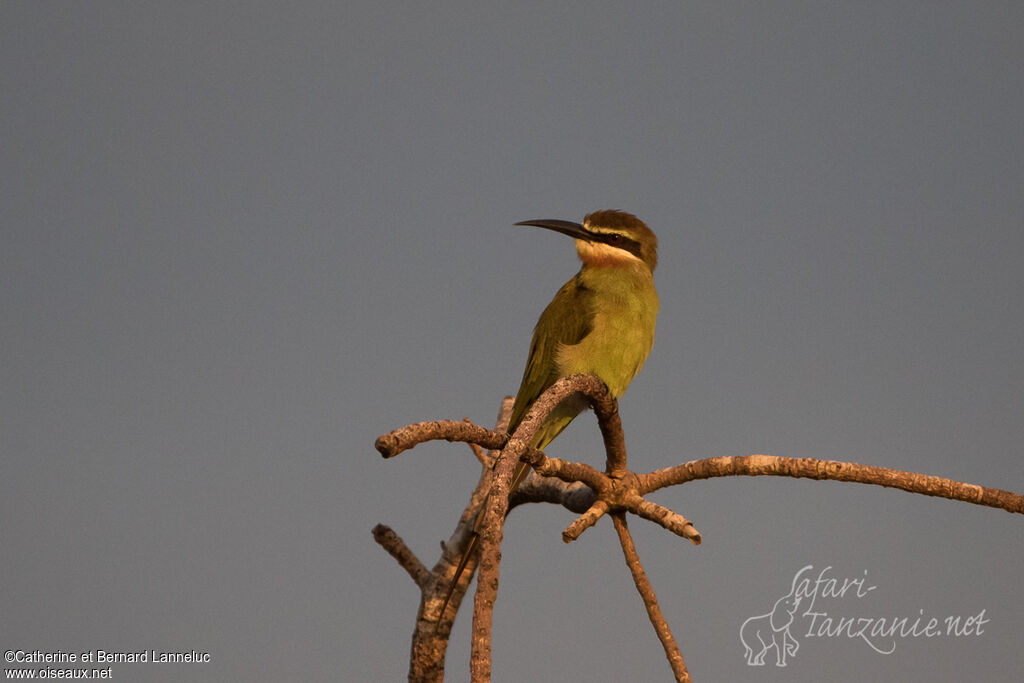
600 323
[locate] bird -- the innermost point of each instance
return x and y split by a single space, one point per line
601 322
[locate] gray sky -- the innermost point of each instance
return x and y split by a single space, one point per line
240 241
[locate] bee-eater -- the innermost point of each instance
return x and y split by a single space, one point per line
601 322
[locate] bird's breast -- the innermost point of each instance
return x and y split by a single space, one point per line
624 313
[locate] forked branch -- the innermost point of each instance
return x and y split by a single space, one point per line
582 488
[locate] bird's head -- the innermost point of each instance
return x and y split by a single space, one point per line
608 238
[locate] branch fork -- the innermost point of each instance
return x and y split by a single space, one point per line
583 489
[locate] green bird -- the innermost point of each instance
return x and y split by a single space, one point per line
601 322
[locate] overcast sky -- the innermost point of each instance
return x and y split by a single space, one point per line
240 241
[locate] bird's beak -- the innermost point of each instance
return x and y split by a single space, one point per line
574 230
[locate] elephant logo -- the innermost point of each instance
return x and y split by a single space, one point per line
766 631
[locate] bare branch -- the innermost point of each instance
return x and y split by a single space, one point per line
608 421
497 504
583 489
455 547
673 521
811 468
490 551
587 520
397 548
566 471
478 452
643 587
575 496
436 624
391 444
430 637
504 414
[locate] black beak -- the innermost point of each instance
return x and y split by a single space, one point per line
574 230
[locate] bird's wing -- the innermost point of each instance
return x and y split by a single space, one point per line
566 321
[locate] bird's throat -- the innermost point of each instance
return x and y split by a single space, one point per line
597 255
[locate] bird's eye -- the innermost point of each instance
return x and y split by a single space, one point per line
614 239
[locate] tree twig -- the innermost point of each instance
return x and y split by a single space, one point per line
643 587
405 557
811 468
394 442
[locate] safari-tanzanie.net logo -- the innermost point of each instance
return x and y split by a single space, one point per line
822 605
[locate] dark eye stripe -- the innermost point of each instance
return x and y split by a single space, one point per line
622 242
